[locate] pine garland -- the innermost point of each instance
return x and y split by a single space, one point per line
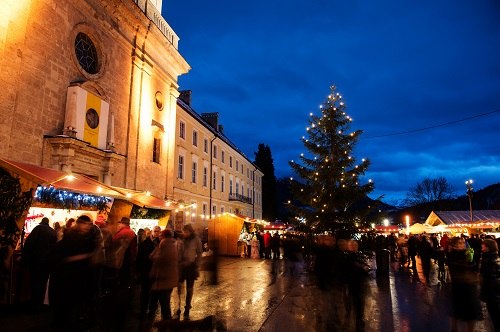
61 199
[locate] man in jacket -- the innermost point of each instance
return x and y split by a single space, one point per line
35 252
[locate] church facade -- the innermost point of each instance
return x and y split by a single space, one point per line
91 87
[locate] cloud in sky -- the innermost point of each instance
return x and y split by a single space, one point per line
265 65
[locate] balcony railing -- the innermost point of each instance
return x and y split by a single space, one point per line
240 198
154 15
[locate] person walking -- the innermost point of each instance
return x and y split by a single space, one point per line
425 252
412 252
34 257
466 306
267 245
164 274
357 269
275 245
72 286
125 252
143 267
191 250
490 280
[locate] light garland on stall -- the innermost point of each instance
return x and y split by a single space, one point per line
70 201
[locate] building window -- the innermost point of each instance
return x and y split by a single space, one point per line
204 209
222 183
182 130
180 171
230 186
241 168
242 190
205 145
156 150
237 188
86 53
214 210
205 175
222 210
248 173
195 138
214 182
193 171
237 165
222 156
231 161
215 152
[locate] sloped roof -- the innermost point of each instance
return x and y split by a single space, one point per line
144 199
59 179
462 217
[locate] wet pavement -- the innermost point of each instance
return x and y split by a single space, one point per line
249 297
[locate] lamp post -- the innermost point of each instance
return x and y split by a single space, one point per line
468 184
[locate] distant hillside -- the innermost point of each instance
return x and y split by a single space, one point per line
485 199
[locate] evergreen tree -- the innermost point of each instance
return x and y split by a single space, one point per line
264 161
329 178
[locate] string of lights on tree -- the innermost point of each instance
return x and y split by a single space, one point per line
329 177
61 199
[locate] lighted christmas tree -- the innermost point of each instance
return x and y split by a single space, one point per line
328 183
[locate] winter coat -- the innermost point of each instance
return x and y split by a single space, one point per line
38 245
164 272
267 240
490 277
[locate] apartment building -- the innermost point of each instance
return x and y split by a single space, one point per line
212 176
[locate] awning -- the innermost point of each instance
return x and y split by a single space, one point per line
146 200
60 180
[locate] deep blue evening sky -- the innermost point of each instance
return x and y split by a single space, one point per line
400 66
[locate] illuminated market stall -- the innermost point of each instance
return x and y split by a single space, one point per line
225 230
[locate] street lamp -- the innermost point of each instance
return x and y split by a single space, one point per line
468 184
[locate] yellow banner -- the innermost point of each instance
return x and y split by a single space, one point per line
92 119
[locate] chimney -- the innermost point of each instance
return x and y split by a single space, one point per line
185 96
212 119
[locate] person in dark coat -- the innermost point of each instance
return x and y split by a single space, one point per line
464 291
71 282
425 252
275 245
144 264
357 269
490 280
412 251
34 256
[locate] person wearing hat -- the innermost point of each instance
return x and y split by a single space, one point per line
34 255
125 245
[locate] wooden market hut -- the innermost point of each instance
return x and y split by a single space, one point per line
224 232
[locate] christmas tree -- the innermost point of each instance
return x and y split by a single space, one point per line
328 184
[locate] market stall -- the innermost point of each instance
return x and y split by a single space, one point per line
146 210
224 232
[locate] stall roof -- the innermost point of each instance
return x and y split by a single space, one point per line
451 218
59 179
144 199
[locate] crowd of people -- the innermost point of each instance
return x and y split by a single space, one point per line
470 264
89 267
